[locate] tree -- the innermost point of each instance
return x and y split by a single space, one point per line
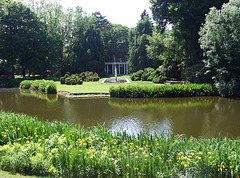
186 18
219 39
23 38
138 39
163 49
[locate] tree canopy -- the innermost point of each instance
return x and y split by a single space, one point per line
220 42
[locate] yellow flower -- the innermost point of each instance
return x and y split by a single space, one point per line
146 156
199 158
200 153
136 157
127 165
232 167
141 149
136 169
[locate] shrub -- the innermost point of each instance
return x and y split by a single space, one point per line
62 80
159 79
51 88
26 84
187 90
80 82
147 72
77 79
73 81
137 75
42 85
68 81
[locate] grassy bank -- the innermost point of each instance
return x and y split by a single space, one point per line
58 149
95 87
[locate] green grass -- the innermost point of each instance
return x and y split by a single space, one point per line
57 149
5 174
96 87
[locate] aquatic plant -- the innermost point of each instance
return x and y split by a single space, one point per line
62 150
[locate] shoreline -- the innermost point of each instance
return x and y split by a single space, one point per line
82 95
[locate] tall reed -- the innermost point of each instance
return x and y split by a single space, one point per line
62 150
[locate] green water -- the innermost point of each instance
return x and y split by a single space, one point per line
201 116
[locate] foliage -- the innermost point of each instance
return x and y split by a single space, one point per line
77 79
185 19
24 39
57 149
51 88
220 41
138 39
26 84
164 49
150 74
11 83
187 90
46 86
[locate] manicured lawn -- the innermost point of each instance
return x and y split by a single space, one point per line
96 87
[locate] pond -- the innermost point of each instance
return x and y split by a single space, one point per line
199 116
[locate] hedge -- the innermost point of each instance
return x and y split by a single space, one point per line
187 90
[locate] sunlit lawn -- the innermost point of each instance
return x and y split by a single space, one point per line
96 87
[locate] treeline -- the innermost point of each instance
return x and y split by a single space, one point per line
189 41
43 37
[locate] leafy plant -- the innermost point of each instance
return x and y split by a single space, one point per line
26 84
58 149
51 88
187 90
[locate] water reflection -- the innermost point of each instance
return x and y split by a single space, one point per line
203 116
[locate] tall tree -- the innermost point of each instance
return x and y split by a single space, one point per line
23 38
138 40
220 42
163 49
186 18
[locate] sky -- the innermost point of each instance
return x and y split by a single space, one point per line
124 12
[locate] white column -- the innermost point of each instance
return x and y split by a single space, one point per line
124 69
119 70
107 68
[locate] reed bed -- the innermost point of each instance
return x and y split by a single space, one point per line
58 149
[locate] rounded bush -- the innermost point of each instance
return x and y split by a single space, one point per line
62 80
51 88
73 81
35 85
68 81
26 84
80 82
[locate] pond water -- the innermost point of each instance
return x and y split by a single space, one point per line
199 116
